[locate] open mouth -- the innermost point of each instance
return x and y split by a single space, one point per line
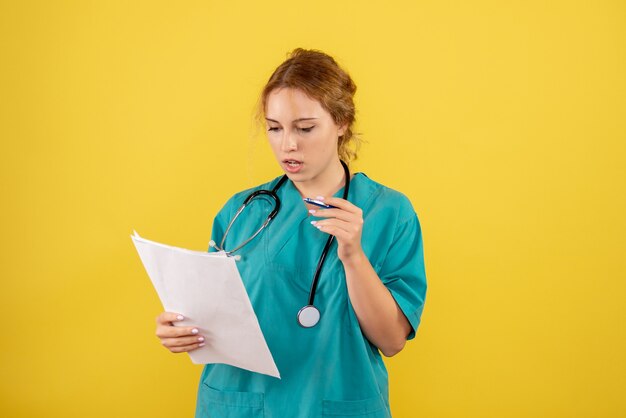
293 163
292 166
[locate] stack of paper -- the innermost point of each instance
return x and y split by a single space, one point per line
207 289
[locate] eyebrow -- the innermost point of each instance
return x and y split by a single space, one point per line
297 120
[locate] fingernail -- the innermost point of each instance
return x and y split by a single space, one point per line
312 211
200 339
319 198
313 222
194 331
180 317
201 345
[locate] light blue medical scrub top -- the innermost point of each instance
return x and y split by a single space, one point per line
330 369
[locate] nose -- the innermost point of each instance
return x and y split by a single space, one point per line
289 142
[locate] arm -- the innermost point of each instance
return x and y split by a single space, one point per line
381 319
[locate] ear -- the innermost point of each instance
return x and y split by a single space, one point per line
342 129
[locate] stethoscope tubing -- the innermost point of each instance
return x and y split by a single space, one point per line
272 215
329 242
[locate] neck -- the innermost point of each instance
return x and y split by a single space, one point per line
326 184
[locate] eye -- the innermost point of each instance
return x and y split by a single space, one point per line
272 129
307 129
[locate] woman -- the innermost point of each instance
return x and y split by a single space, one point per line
371 285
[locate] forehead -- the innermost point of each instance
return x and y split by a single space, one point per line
289 103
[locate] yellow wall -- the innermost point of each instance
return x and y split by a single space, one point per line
504 122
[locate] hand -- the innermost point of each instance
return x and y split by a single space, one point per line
177 339
345 223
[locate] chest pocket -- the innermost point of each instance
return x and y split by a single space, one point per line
215 403
366 408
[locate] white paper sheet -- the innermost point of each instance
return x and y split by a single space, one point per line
207 289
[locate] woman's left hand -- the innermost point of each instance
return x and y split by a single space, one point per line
345 223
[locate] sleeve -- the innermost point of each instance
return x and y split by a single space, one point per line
403 272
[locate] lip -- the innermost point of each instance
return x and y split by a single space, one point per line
288 168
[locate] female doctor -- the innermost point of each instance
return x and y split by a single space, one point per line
326 337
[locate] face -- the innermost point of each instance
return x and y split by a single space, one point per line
303 136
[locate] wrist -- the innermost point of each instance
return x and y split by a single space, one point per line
354 260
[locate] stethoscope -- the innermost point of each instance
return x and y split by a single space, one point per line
308 316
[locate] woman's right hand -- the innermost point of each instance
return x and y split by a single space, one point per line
177 339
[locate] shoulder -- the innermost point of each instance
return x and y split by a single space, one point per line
378 199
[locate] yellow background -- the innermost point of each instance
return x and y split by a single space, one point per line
503 121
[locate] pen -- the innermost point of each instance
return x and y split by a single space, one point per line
318 203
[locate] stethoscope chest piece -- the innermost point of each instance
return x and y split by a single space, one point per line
308 316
